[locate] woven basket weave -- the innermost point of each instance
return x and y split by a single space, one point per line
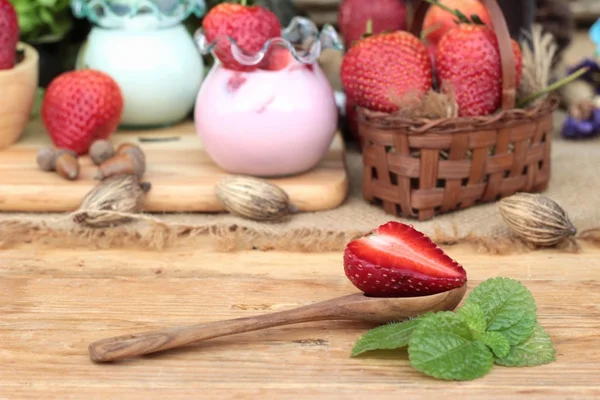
422 168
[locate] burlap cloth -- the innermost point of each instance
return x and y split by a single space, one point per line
575 184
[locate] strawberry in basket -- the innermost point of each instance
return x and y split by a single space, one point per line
438 20
468 58
385 15
385 66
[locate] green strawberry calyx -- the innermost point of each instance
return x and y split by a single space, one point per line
368 29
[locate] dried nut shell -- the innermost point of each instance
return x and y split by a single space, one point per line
536 219
253 198
138 154
132 148
101 150
45 158
117 194
66 164
120 164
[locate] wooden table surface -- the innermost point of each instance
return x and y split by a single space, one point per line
54 302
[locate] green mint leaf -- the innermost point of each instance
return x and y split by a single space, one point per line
497 342
508 306
474 317
443 346
386 337
536 350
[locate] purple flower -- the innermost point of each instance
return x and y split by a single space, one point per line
574 128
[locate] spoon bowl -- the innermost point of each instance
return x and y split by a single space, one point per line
354 307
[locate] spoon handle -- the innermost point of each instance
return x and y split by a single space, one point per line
125 346
352 307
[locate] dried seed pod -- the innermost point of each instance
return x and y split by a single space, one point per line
45 158
253 198
105 204
120 164
101 150
536 219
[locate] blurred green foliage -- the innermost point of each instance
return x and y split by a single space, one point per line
43 20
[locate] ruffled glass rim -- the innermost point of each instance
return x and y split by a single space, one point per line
113 14
301 37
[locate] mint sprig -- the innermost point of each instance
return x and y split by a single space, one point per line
537 349
496 324
443 346
387 337
473 316
508 306
497 342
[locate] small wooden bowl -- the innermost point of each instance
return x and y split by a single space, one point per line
18 86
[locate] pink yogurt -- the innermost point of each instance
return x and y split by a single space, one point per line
266 123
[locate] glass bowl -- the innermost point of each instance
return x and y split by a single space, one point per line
269 121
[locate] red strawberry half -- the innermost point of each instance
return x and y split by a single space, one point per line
395 260
250 26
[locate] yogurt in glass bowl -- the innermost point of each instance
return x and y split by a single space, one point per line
269 121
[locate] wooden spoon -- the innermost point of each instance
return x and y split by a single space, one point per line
356 307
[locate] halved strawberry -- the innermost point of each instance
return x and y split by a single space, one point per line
396 260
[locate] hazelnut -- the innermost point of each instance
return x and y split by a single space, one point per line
121 164
101 150
63 161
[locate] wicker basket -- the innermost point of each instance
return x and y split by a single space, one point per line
422 168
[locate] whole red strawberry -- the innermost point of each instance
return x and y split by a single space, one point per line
468 58
395 260
386 15
249 26
9 35
438 21
80 107
380 67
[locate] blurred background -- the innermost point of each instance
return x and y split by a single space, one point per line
50 26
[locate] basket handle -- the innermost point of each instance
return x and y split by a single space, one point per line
507 58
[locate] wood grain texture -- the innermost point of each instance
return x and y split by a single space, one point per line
54 303
183 177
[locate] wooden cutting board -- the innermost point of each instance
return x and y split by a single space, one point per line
182 175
